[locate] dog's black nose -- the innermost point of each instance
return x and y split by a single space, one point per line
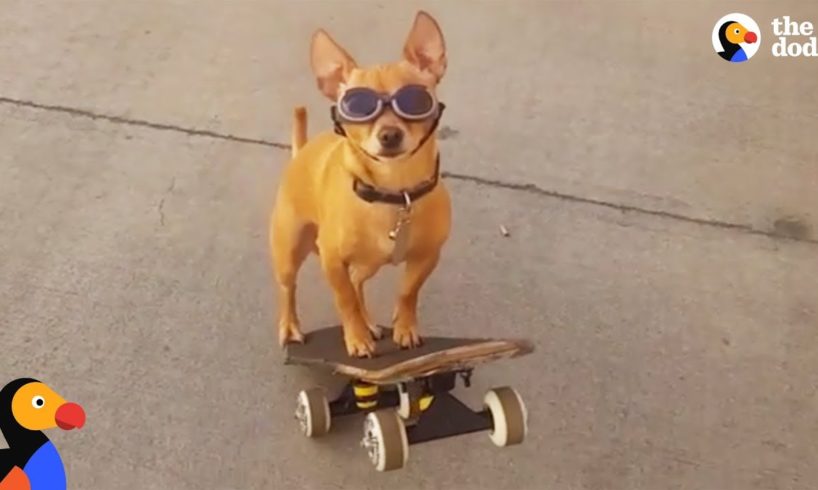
390 137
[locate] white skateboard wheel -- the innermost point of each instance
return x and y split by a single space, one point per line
508 414
385 440
312 412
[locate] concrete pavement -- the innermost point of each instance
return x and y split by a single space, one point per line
644 181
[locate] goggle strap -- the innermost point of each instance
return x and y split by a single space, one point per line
440 107
333 111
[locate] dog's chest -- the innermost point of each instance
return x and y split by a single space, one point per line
386 236
390 237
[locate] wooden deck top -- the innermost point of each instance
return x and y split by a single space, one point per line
391 364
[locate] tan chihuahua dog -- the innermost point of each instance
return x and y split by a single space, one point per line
369 194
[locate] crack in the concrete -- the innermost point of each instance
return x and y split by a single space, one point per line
161 206
171 186
500 184
141 123
624 208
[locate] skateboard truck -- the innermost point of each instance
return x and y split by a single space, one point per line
466 377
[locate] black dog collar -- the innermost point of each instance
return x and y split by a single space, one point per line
405 197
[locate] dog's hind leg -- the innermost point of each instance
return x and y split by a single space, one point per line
290 243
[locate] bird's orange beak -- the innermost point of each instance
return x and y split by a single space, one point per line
750 37
70 416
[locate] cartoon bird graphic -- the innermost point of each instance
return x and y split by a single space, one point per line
732 35
31 461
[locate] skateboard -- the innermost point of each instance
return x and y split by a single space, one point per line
405 394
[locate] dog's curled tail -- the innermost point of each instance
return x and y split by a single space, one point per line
299 129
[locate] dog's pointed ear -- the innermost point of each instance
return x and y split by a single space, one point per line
425 47
330 64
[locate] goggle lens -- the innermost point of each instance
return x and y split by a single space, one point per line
360 104
413 101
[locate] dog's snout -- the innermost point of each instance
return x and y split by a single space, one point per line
390 137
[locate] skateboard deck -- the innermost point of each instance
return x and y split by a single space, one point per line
391 364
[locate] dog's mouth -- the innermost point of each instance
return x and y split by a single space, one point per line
390 153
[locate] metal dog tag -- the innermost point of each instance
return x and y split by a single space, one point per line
400 234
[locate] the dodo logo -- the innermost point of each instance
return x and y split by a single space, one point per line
27 408
736 37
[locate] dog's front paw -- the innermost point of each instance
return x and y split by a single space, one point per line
377 330
360 344
289 332
406 337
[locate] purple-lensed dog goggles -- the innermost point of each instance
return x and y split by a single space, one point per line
411 102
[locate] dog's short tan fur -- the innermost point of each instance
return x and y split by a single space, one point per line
317 211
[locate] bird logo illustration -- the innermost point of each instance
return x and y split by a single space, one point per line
31 462
736 38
